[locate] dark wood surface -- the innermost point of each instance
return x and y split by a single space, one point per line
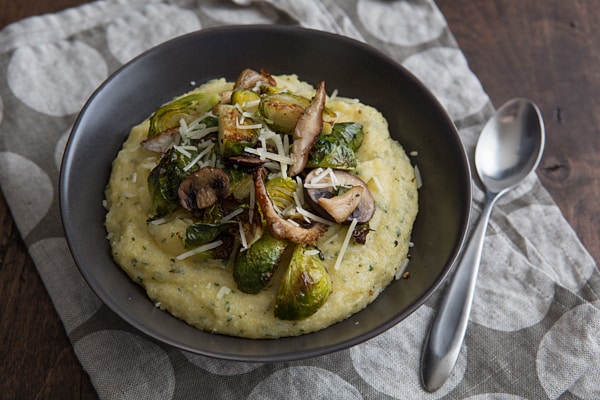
547 50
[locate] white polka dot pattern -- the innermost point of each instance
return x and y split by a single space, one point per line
56 78
136 32
538 287
401 22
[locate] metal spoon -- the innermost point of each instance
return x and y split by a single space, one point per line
509 148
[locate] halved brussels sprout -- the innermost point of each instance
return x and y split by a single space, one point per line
234 136
199 234
305 286
281 191
254 267
281 111
337 149
243 97
187 108
163 183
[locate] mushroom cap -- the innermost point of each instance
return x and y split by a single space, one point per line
203 188
364 210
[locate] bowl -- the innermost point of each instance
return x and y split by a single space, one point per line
416 120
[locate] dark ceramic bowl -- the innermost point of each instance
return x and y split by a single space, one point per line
416 120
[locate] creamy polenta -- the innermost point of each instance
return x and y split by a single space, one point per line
201 290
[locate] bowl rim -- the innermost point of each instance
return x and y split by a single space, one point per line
113 305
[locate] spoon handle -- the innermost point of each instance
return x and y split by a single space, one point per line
447 332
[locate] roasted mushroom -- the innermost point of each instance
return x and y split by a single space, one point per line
342 206
162 141
249 79
363 211
307 130
278 226
203 188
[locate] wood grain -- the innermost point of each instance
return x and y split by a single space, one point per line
546 50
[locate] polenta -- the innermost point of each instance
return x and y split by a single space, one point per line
208 213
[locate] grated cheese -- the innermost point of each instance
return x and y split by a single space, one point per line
267 154
314 217
222 292
351 228
158 221
242 235
232 214
401 269
378 184
239 124
200 249
418 177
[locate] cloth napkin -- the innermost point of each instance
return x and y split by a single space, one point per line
535 320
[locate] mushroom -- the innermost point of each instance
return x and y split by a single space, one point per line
363 211
203 188
162 141
342 206
279 227
248 79
307 130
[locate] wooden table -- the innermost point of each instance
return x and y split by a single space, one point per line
547 50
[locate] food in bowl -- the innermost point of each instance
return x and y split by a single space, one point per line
262 208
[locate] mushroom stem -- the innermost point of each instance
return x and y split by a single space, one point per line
278 226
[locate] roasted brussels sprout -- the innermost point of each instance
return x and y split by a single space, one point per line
305 286
281 111
254 267
235 136
281 191
337 149
187 108
244 96
199 234
163 183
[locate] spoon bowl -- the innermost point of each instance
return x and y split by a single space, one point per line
510 145
508 150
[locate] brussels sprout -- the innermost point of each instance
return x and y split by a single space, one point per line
243 97
254 267
240 182
281 191
187 108
199 234
233 135
305 286
163 183
337 149
281 111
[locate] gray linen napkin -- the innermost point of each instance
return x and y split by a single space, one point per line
535 321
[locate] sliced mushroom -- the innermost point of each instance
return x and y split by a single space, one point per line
278 226
163 141
307 130
342 206
249 79
203 188
363 212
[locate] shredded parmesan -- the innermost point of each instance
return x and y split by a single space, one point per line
158 221
402 269
200 249
222 292
314 217
232 214
242 235
418 177
267 154
378 184
351 228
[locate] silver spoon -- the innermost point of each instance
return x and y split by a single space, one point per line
509 148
